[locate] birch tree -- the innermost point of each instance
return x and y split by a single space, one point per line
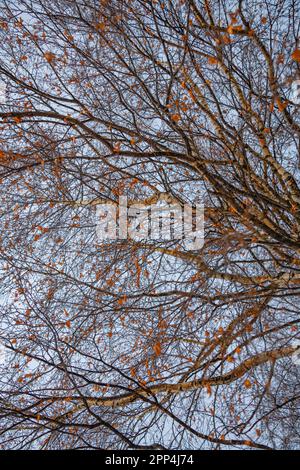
146 344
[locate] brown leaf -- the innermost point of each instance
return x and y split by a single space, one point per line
157 349
234 29
212 60
175 117
49 56
296 55
281 105
247 383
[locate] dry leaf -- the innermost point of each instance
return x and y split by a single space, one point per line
247 383
157 349
212 60
49 56
175 117
296 55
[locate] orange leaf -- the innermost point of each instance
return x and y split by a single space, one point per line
157 349
281 104
68 323
49 56
226 39
138 272
122 300
234 29
247 383
296 55
175 117
248 443
212 60
100 26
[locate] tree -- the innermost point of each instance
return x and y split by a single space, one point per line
145 344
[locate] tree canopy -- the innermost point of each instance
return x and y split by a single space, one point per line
146 344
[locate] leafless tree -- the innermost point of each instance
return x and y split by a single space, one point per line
145 344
